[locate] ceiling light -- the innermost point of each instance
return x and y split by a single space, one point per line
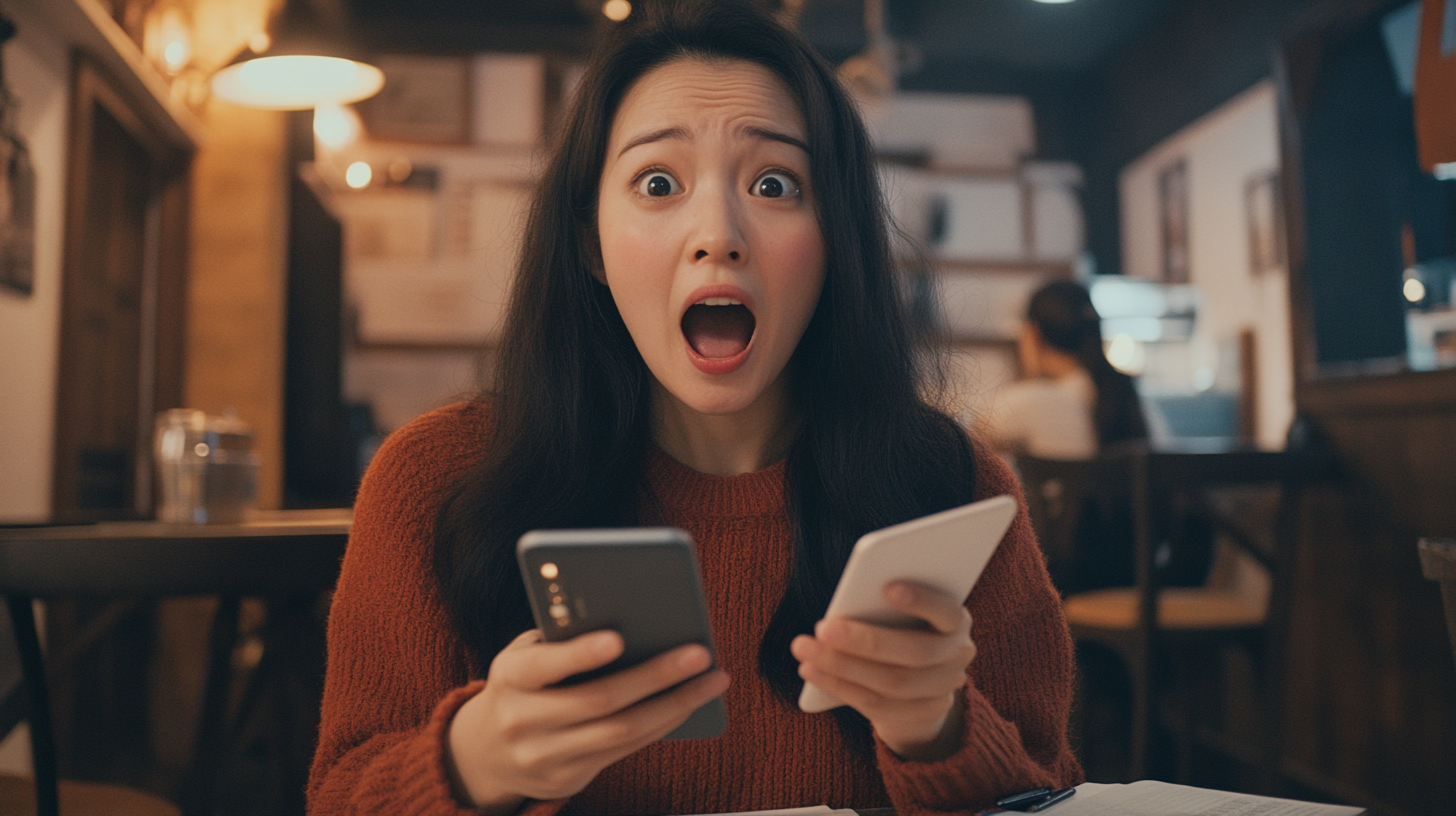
617 10
1053 2
299 68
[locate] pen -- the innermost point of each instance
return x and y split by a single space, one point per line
1051 799
1015 801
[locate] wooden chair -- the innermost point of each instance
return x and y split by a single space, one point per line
1438 563
1145 622
45 794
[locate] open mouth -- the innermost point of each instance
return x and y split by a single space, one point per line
718 327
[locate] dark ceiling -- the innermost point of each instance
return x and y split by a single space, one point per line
1014 35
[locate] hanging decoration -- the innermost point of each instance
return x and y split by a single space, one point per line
17 189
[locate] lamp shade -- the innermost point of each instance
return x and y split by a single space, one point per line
308 64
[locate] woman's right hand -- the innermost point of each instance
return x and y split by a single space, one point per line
524 738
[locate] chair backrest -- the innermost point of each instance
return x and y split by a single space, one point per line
1438 563
1080 511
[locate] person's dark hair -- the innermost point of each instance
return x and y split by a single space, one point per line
570 407
1063 313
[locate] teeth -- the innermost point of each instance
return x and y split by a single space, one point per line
718 301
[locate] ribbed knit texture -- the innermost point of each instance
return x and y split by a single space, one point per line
397 670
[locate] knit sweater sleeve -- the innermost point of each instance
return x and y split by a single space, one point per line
397 672
1019 687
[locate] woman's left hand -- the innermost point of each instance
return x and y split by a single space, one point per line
907 682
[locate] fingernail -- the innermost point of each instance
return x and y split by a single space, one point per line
694 658
902 594
605 643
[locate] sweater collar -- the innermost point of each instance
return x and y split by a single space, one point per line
680 488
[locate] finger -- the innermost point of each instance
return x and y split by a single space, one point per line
944 613
871 703
905 647
605 696
612 738
888 681
530 666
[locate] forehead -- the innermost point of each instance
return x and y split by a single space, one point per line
694 93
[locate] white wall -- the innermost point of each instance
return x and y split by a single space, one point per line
1223 150
37 69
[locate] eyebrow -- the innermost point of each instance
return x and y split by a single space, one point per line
679 133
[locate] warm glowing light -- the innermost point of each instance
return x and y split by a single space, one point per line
549 571
1126 355
259 42
1414 290
359 175
176 55
335 125
296 82
617 10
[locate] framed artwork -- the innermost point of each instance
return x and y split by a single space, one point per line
1173 218
424 99
1264 213
17 216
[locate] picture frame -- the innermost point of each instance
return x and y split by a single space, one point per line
17 216
1174 219
1264 214
424 99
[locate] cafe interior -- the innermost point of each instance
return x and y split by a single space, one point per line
223 285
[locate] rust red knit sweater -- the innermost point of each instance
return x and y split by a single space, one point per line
397 670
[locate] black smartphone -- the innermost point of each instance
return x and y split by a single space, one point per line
642 582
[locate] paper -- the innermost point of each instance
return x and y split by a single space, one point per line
817 810
1148 798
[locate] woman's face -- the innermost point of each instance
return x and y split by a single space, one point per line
709 238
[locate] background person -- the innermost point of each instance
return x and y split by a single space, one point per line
1071 402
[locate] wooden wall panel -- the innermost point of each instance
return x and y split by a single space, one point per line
1370 700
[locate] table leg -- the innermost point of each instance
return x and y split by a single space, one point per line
200 785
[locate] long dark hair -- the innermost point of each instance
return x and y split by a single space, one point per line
570 407
1063 313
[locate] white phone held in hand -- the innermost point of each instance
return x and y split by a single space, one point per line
945 551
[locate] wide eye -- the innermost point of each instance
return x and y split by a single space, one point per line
775 185
658 185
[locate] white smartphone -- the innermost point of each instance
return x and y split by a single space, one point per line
945 551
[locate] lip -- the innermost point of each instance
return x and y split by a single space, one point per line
718 365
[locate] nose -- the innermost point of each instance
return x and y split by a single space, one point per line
717 228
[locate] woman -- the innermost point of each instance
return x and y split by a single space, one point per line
1072 402
705 332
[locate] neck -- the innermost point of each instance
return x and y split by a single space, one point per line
1057 364
727 444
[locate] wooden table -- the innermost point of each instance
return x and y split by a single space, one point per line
276 555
